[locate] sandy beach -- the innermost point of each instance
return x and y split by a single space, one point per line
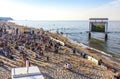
50 55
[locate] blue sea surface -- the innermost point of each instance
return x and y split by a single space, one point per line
78 31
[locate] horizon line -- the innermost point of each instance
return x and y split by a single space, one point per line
57 20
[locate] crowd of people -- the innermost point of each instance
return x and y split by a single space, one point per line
37 42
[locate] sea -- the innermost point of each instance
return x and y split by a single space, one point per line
77 31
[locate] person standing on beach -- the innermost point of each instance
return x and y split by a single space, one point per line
74 51
16 31
100 62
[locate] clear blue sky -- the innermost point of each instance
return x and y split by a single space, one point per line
60 9
64 2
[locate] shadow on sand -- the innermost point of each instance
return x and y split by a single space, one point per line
47 76
83 75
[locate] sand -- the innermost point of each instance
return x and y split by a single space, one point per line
53 69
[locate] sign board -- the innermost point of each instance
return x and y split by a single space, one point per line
98 26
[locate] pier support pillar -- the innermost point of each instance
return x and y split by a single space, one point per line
89 35
106 36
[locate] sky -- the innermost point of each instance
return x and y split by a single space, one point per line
60 9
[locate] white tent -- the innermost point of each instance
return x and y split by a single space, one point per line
27 73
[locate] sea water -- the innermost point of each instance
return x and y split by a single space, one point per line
78 32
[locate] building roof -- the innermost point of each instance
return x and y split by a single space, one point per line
98 18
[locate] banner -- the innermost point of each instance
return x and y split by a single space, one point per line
98 26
